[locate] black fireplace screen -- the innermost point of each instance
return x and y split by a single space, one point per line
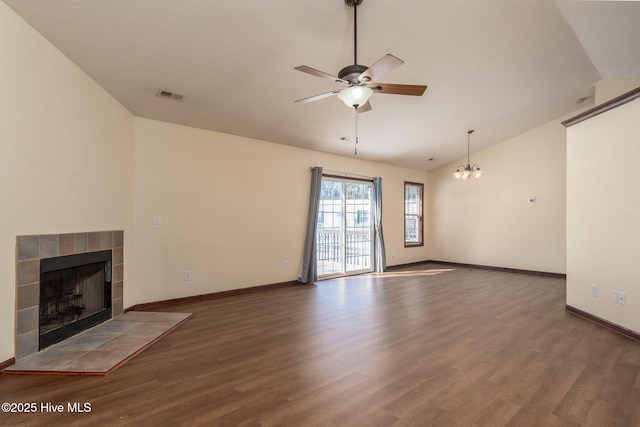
75 294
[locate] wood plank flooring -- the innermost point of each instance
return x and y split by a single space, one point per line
432 345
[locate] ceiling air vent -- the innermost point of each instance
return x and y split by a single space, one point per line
162 93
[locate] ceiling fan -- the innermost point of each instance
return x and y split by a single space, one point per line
361 81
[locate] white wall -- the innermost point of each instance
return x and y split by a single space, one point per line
233 209
67 153
488 221
603 215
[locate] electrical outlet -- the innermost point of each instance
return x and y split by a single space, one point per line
594 290
157 222
187 275
614 297
285 264
621 298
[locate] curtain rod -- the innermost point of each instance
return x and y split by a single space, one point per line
346 174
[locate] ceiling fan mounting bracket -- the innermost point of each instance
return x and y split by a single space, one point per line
350 73
352 3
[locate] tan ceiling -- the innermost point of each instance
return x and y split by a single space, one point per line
498 66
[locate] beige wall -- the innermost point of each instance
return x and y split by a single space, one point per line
488 221
603 215
610 88
67 153
233 209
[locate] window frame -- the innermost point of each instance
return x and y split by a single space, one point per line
419 215
346 227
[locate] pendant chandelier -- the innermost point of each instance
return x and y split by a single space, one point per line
468 171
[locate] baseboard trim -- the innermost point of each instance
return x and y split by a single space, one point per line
481 267
206 297
224 294
505 269
7 363
602 322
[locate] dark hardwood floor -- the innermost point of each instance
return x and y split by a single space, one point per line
433 345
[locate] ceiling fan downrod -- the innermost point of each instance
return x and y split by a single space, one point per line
354 4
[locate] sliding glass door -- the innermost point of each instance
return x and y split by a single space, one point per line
345 229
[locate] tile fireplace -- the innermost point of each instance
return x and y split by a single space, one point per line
66 283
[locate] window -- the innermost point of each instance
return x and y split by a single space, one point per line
413 219
362 217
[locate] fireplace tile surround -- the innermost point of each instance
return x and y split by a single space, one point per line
31 249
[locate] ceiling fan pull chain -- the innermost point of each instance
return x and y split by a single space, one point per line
355 108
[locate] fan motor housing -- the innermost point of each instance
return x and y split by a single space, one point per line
350 73
352 3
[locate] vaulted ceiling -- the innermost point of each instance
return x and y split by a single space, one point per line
498 66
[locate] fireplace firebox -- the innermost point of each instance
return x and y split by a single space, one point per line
75 295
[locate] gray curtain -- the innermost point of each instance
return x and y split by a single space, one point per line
309 270
381 262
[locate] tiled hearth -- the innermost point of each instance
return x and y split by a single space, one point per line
31 249
102 349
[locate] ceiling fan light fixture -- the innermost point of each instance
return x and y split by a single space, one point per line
355 96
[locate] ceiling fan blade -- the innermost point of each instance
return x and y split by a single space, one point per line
415 90
317 97
380 68
364 108
319 73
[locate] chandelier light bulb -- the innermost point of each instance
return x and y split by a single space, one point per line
355 96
